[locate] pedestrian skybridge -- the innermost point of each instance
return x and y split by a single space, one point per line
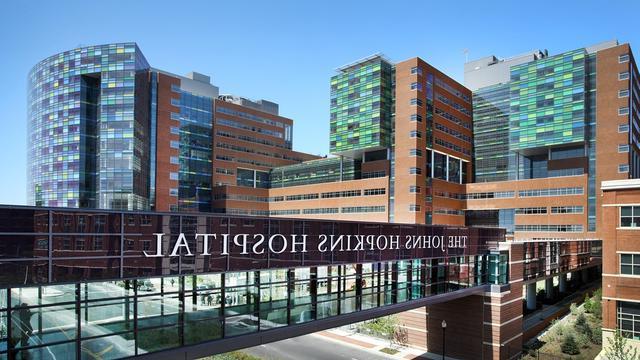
105 284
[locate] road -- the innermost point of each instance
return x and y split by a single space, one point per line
313 347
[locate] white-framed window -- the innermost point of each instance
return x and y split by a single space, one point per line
415 152
173 176
175 144
415 171
414 207
415 134
173 192
623 58
622 128
623 168
623 111
623 75
628 318
623 148
174 160
630 216
416 86
416 70
414 189
630 264
623 93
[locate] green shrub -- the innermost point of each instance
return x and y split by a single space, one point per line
596 335
574 309
581 322
569 345
597 295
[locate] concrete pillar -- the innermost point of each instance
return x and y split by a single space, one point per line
548 288
562 283
531 296
585 275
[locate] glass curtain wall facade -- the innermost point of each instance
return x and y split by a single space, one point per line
315 172
547 101
491 133
194 193
85 99
361 106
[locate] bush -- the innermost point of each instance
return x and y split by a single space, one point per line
574 309
556 331
581 322
569 345
596 335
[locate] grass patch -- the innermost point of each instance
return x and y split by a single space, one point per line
234 355
389 351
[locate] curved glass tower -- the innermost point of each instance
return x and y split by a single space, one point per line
88 111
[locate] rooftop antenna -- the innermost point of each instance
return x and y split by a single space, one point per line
466 55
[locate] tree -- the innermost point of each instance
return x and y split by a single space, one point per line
618 349
569 345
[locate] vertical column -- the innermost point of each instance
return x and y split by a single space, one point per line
562 283
531 296
548 288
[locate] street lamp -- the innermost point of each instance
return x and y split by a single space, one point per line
444 327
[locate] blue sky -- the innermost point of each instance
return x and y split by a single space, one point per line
284 51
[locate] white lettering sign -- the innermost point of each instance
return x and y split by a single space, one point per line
257 244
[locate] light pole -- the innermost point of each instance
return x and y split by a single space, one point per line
444 328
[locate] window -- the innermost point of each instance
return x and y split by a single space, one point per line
551 192
630 216
414 189
370 192
173 176
630 264
623 58
549 228
622 128
623 75
415 152
175 130
623 111
623 148
415 134
415 171
629 319
175 102
531 211
173 192
175 144
416 86
362 209
623 168
414 207
174 160
415 101
623 93
416 70
567 209
416 117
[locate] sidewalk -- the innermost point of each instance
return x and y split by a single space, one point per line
373 344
